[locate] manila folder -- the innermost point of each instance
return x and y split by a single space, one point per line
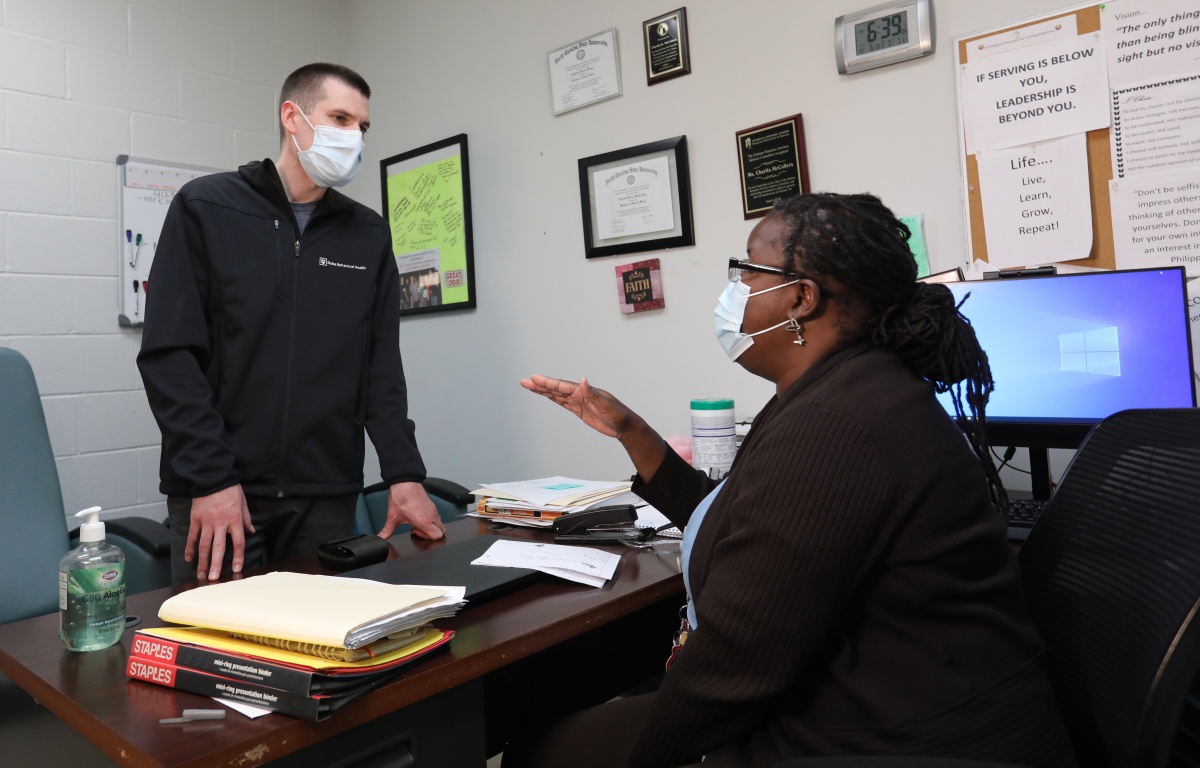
329 610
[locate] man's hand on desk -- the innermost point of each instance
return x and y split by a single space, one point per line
408 503
214 517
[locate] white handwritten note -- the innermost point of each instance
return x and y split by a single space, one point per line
1036 203
1033 94
1156 221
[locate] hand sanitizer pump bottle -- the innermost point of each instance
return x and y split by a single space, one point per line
91 589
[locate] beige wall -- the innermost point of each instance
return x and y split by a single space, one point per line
454 66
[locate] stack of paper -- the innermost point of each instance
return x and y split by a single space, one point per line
537 503
593 567
327 610
345 636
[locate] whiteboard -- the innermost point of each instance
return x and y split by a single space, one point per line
145 190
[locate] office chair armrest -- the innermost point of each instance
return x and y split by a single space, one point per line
149 535
449 490
435 486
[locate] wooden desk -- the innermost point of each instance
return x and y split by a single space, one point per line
566 638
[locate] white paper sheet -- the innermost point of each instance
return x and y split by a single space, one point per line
1034 94
649 517
1150 40
548 489
585 565
1023 37
249 711
1156 220
1156 127
1036 203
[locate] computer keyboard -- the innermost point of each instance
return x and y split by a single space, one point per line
1023 513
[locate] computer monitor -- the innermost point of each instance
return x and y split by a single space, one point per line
1068 350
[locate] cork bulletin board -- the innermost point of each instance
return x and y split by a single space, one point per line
1087 21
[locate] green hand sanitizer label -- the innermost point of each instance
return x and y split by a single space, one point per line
93 603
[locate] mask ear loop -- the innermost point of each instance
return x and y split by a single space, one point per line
310 125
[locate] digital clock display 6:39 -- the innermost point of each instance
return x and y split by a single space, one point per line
881 33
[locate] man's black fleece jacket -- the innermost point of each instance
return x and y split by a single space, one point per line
266 353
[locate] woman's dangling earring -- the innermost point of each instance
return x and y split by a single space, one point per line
794 326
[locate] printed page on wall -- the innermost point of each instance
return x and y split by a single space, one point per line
1153 55
1028 97
1081 137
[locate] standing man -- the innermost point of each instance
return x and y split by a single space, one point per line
272 341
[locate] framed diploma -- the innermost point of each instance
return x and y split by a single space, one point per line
585 71
666 41
773 164
637 199
427 204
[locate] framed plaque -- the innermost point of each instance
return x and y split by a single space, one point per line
427 205
639 286
666 41
637 199
773 164
585 71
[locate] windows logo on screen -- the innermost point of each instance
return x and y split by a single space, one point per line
1095 351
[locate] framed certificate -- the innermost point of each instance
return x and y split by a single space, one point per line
585 71
666 41
773 164
427 204
637 199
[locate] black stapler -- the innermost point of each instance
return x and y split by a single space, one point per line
577 523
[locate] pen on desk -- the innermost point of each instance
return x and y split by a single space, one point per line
193 715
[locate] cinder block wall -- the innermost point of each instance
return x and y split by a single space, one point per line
81 82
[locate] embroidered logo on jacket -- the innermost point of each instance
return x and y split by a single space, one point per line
324 262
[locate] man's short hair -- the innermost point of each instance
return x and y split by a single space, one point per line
306 86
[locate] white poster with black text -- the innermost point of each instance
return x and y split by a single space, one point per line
1036 203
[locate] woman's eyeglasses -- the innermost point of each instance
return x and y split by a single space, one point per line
737 267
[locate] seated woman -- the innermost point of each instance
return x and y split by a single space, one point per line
851 589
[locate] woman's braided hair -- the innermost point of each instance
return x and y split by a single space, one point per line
860 244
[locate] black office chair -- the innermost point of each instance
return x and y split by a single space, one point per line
1112 580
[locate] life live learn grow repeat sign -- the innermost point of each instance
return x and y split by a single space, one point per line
1036 93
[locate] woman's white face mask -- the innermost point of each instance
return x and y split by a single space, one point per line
730 313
